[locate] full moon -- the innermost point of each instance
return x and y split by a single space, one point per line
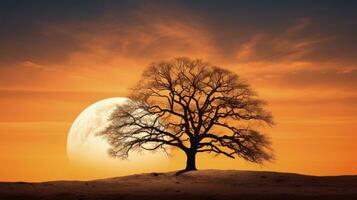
85 147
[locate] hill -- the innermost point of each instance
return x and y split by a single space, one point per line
204 184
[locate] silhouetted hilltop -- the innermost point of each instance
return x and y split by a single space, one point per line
203 184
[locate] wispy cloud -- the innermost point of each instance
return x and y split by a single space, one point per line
300 25
36 66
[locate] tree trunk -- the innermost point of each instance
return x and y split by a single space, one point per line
191 161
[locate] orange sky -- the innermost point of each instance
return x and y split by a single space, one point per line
61 66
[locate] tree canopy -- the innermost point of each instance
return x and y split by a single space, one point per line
194 106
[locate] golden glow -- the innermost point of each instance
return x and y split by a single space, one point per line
314 109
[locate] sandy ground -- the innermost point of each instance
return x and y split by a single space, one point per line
204 184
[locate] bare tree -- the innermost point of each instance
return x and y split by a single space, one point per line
195 107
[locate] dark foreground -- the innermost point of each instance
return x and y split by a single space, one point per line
205 184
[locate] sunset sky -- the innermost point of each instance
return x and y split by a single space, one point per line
58 57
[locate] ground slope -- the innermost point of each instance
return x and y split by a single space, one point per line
205 184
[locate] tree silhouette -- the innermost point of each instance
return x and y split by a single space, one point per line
195 107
